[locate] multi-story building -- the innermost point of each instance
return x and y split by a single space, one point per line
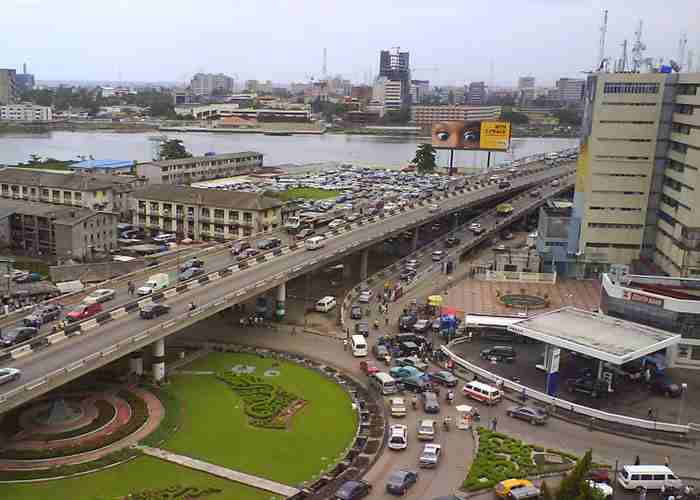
427 115
102 192
199 168
526 87
393 94
419 90
394 70
8 86
204 213
55 231
570 90
25 81
476 96
209 83
25 112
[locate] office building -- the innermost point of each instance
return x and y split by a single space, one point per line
60 232
25 112
204 213
419 90
526 87
199 168
569 90
476 96
210 83
25 81
8 86
394 64
100 192
394 91
427 115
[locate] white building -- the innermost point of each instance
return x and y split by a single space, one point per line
207 83
25 112
570 89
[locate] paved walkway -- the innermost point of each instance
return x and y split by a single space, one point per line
222 472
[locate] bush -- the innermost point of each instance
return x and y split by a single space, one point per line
106 413
177 492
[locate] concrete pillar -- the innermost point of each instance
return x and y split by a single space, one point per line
414 245
281 299
347 270
551 365
136 363
158 365
363 264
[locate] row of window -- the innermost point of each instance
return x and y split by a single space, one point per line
600 225
676 186
684 109
678 166
621 175
624 122
627 193
622 246
617 157
687 89
631 88
31 191
624 209
614 139
647 104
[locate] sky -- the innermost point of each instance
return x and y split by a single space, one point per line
282 40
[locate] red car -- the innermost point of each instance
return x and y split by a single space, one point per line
83 311
368 369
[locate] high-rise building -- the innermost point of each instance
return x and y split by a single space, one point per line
570 90
526 86
476 95
8 86
638 175
395 70
25 81
419 90
210 83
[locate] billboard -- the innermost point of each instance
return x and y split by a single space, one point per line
472 135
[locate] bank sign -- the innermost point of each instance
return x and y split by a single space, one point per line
644 299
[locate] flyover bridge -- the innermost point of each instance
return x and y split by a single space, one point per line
53 360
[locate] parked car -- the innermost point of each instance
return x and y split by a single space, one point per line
269 243
430 455
433 207
247 253
431 404
535 193
356 312
42 314
367 368
413 361
397 407
504 488
411 337
336 223
664 386
533 415
402 372
99 296
407 274
150 311
476 228
443 377
499 353
239 247
438 255
398 437
400 481
554 183
421 326
353 490
362 328
406 349
190 273
411 264
83 311
417 385
503 185
426 429
380 351
165 238
587 386
8 375
17 335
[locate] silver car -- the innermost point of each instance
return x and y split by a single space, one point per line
8 375
430 455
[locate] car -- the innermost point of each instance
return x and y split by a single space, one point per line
42 314
525 493
435 226
8 375
99 296
443 377
398 437
352 217
247 253
503 185
190 263
152 310
268 243
380 351
452 241
239 247
353 490
554 183
426 429
165 238
362 328
499 353
83 311
533 415
599 475
407 274
367 368
400 481
604 489
411 264
664 386
421 326
436 325
433 207
504 488
190 273
17 335
410 337
365 296
406 322
413 361
430 456
402 372
535 193
356 312
507 235
587 386
416 385
431 404
397 407
335 223
406 349
476 228
305 233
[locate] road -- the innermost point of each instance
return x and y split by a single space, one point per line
57 357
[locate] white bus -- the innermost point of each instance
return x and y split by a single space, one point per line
358 344
315 242
384 383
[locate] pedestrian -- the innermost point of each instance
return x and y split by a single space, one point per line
636 460
647 375
494 424
642 493
386 321
650 414
667 462
294 331
345 344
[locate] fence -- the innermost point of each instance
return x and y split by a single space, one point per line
519 276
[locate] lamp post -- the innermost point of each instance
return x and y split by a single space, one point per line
681 410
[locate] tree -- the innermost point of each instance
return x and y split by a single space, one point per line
574 485
568 116
173 149
425 159
546 492
515 118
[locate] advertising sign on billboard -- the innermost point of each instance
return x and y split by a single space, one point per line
473 135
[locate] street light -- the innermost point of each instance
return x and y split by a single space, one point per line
681 411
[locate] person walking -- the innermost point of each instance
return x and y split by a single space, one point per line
494 424
667 462
642 493
345 344
636 460
650 414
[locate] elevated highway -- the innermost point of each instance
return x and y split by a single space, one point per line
53 360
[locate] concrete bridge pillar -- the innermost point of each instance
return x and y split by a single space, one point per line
281 299
136 363
363 264
158 360
414 244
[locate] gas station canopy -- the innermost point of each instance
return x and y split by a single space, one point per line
595 335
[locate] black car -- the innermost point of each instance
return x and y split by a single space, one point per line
192 263
362 328
499 353
400 481
305 233
417 385
150 311
408 349
587 386
17 335
190 273
407 274
444 377
503 185
410 337
352 490
42 315
356 312
269 244
452 241
380 351
406 322
662 385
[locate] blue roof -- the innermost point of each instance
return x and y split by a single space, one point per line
90 164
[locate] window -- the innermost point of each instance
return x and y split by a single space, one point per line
687 89
233 215
631 88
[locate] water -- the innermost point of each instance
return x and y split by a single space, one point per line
297 149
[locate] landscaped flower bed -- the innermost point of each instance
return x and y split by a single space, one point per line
173 493
267 405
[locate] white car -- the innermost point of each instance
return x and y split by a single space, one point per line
8 375
438 255
165 238
365 296
426 429
398 437
604 489
433 207
98 296
336 223
411 264
430 456
398 407
476 228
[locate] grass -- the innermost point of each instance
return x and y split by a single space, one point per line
143 473
306 193
31 265
216 429
171 420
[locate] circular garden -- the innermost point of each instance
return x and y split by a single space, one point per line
523 301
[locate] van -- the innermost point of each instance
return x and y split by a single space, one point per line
358 345
325 304
314 242
482 392
383 382
154 283
651 477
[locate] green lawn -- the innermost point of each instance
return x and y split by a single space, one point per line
306 193
140 474
215 429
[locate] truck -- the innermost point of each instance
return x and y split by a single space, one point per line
154 283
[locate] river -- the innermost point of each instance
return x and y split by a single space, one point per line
296 149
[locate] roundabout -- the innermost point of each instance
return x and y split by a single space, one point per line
523 301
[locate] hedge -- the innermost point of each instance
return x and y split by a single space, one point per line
177 492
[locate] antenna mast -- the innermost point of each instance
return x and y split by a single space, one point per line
622 63
603 33
324 70
638 49
682 44
691 60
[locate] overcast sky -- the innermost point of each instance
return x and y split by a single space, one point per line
283 40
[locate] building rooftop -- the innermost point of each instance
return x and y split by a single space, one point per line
59 214
595 335
102 164
212 197
185 161
62 180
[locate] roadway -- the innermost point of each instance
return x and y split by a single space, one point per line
60 356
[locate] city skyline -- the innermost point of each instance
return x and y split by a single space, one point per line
136 42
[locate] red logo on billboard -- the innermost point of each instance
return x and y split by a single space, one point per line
644 299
